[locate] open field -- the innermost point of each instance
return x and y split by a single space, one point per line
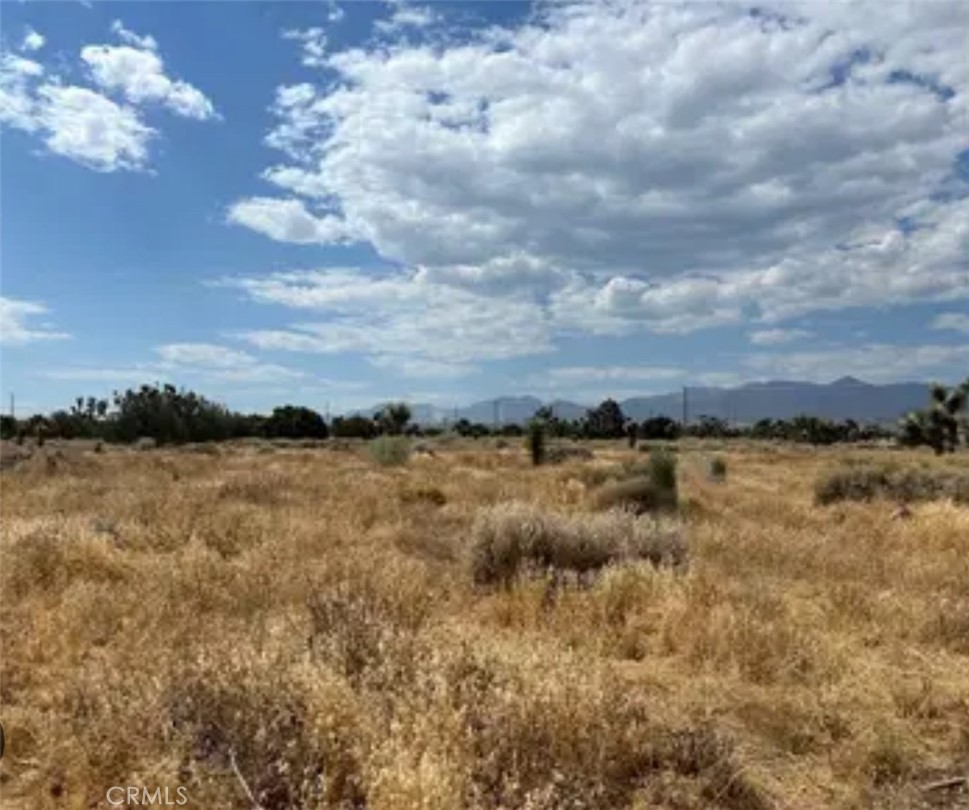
302 623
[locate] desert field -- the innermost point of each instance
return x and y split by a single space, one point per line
287 626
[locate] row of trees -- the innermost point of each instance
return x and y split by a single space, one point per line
175 416
171 416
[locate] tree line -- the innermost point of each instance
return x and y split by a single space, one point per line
169 415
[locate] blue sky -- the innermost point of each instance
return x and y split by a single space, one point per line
319 203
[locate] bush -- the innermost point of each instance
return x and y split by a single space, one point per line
637 495
661 471
508 538
536 442
557 455
390 451
865 482
718 469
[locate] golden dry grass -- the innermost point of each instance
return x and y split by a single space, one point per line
307 618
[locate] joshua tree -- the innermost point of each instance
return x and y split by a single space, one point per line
393 418
939 425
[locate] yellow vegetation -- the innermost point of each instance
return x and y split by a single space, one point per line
303 624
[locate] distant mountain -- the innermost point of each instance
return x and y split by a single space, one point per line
844 398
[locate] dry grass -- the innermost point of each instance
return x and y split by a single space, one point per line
508 538
306 617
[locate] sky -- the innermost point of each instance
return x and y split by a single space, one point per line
336 204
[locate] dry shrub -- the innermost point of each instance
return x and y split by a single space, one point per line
291 730
638 495
558 454
428 495
866 482
510 537
47 559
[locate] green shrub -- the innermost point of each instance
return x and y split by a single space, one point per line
390 451
508 538
636 495
718 468
535 440
661 471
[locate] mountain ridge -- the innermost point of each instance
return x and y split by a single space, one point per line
846 397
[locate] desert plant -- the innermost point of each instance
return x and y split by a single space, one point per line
866 482
535 440
390 451
661 471
637 495
509 537
393 418
858 483
718 468
939 425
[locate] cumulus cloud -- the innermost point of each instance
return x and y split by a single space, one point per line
663 166
32 41
14 327
285 221
953 321
91 129
147 42
87 125
314 45
394 316
138 72
775 337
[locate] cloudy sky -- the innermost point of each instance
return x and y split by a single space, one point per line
312 202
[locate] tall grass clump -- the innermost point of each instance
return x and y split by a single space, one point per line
390 451
649 487
510 538
718 469
535 441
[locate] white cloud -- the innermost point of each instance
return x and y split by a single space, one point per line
873 362
285 221
661 166
220 364
14 329
955 321
334 12
619 374
314 45
396 315
421 368
18 106
32 41
145 43
139 74
91 129
405 16
775 337
135 375
85 125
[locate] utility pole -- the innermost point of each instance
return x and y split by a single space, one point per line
13 413
686 411
494 413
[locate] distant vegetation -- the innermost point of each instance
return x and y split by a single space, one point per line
174 416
